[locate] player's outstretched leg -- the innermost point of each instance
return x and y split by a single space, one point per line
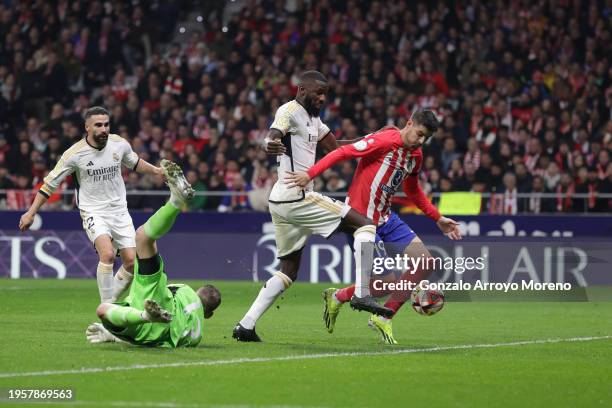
331 308
271 290
163 219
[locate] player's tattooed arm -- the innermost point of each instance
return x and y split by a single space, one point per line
272 143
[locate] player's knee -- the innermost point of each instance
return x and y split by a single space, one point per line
101 310
107 256
128 261
289 271
366 233
287 280
290 265
141 235
292 275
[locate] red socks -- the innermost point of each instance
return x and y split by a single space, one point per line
345 294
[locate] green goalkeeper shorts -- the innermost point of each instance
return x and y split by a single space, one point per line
147 287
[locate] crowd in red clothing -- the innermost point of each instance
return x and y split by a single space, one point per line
522 87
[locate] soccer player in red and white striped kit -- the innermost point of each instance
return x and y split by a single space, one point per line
389 158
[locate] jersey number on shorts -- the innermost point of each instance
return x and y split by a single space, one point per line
90 223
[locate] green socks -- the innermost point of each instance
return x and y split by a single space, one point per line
125 316
161 222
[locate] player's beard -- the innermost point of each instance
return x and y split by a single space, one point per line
101 139
311 107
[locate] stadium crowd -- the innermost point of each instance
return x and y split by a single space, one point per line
522 88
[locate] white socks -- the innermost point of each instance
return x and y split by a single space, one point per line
175 201
364 257
121 283
110 287
267 295
104 275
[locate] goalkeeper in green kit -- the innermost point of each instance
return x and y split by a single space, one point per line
154 313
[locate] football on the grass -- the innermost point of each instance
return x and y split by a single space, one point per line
427 302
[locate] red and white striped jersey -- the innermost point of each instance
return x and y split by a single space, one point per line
385 164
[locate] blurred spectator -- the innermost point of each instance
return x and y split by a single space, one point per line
236 202
552 176
335 184
510 194
449 154
565 191
472 156
215 185
261 182
536 203
198 202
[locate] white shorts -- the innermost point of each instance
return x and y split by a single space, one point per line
295 222
118 226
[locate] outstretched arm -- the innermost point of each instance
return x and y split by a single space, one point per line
413 190
133 162
330 143
144 167
27 219
302 178
370 145
65 166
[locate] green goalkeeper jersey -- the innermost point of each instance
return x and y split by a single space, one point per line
186 325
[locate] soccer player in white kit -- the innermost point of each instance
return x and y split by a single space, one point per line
96 161
299 212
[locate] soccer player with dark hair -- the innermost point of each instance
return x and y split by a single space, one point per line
154 313
390 158
298 212
96 163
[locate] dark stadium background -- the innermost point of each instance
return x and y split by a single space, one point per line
523 90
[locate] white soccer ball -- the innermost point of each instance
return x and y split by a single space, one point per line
426 301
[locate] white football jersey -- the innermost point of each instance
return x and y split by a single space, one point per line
98 179
301 132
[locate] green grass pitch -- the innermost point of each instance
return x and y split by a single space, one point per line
472 354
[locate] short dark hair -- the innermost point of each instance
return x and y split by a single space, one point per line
426 118
211 299
96 110
312 76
